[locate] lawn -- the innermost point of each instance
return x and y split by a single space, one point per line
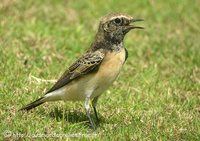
156 96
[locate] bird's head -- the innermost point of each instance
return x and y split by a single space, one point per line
114 27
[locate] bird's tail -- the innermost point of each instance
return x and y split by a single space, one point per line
34 104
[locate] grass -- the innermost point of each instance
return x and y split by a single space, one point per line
156 96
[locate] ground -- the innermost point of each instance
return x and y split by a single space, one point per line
156 96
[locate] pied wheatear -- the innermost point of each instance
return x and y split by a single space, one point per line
89 76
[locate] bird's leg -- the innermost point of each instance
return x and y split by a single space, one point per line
94 103
87 109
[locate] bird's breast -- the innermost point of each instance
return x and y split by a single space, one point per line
112 63
109 69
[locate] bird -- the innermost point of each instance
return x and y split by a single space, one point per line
91 74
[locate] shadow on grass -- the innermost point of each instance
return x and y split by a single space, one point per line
74 116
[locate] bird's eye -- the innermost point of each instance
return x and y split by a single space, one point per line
118 21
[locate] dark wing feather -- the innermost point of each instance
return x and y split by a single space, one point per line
82 66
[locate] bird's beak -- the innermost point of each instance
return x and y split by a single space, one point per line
131 26
136 20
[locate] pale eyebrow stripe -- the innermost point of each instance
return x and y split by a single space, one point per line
118 16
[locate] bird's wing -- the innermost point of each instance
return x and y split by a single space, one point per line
84 65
